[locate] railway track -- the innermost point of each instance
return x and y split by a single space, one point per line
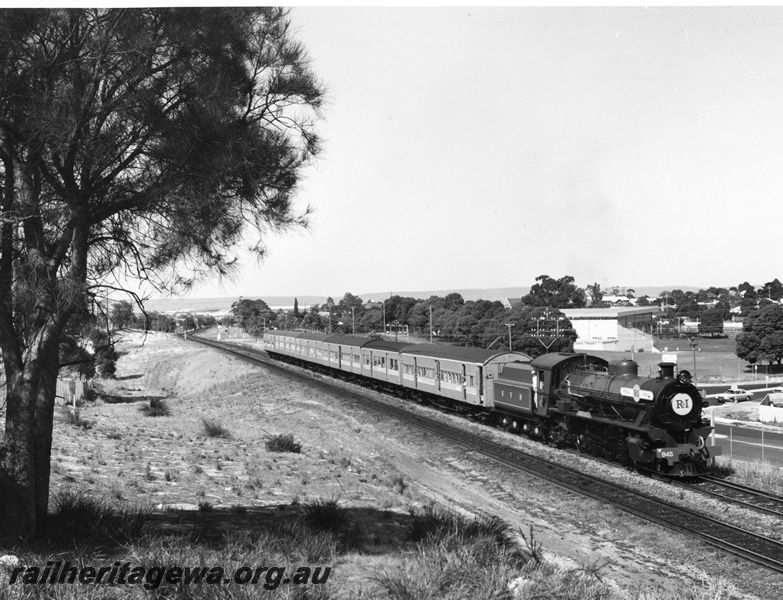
730 538
740 494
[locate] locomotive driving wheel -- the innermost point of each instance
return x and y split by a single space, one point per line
582 443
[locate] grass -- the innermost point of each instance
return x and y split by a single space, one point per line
324 515
716 361
78 516
755 474
354 533
442 555
283 442
215 429
454 556
73 417
399 484
156 408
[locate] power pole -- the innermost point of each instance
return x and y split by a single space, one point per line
509 325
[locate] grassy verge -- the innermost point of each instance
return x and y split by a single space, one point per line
755 474
438 554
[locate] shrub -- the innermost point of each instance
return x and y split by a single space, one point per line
434 525
215 429
73 417
156 408
328 517
78 517
283 443
324 515
398 483
456 557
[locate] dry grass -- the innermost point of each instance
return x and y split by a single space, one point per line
215 429
754 474
157 407
283 442
253 507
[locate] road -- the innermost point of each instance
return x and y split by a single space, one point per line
753 386
750 444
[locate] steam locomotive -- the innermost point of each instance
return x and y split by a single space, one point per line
602 408
607 409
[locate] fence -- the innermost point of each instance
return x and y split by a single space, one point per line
69 391
742 443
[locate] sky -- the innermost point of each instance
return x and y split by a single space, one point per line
483 147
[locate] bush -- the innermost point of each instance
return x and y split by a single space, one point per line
324 515
79 517
328 517
457 557
433 525
156 408
72 417
283 443
215 429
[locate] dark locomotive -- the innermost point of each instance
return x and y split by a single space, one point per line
601 408
607 409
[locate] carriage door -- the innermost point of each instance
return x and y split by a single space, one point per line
464 383
539 400
437 373
415 374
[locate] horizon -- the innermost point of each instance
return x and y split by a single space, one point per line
469 292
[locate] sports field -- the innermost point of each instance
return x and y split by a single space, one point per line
716 361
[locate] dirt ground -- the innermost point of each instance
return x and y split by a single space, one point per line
378 469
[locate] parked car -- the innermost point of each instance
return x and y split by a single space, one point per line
736 395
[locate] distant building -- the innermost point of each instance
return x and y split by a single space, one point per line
621 329
618 301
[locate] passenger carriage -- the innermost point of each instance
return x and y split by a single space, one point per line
460 374
282 342
381 360
345 352
312 349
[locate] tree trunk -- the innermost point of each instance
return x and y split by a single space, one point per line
42 431
25 457
17 502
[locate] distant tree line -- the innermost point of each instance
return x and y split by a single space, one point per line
122 316
536 324
534 327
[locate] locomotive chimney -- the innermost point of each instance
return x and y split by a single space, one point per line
667 369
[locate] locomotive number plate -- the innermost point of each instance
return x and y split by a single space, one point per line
681 404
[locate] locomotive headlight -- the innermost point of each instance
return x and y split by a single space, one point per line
681 404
